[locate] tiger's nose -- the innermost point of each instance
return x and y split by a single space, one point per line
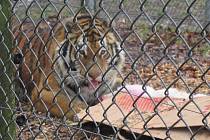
95 76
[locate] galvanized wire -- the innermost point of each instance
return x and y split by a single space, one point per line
147 30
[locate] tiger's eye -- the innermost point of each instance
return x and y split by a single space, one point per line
82 52
103 52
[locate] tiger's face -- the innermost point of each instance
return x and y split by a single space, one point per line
64 63
91 60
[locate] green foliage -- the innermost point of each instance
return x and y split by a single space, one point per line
7 100
205 50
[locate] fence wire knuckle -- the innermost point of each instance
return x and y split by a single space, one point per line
104 69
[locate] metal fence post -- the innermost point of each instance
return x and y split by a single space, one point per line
90 5
7 100
207 12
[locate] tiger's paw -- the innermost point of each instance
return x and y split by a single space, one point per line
118 83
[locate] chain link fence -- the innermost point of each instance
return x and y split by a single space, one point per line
63 57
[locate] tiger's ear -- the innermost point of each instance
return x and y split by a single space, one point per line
65 29
59 33
70 27
107 23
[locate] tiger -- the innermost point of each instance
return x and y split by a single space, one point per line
68 65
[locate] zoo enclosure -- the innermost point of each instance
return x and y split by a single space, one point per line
165 48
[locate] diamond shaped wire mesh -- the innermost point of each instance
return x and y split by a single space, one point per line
67 57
